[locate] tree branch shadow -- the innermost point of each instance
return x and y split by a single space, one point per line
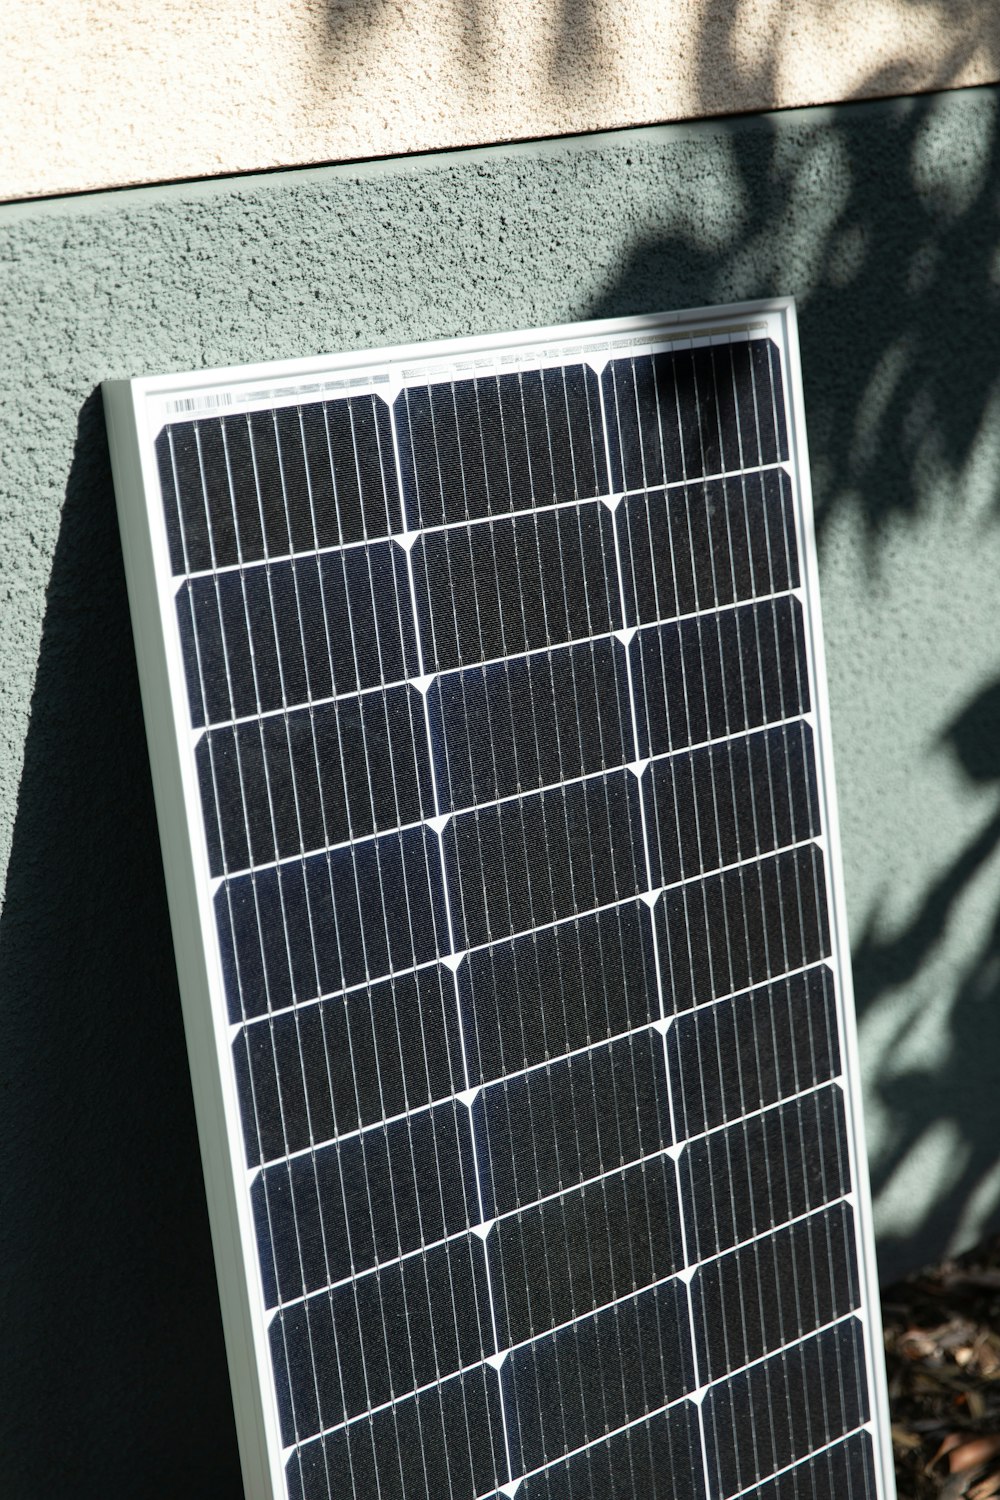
892 257
732 61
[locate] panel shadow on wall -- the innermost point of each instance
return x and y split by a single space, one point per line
110 1308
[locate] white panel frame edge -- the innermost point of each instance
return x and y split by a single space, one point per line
840 944
136 410
186 870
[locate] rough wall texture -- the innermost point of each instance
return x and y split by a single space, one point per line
883 221
126 91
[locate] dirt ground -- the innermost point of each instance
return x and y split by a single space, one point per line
942 1339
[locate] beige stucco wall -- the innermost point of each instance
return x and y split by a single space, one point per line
97 93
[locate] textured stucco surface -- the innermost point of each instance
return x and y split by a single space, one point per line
126 91
883 220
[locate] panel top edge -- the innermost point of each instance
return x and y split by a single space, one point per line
188 394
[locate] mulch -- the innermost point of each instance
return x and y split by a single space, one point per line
942 1340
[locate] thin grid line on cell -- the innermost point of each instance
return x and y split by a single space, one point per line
197 731
759 1237
775 1353
661 1026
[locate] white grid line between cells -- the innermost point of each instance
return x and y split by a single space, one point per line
546 789
599 637
696 1392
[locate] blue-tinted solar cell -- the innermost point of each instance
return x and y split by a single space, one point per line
305 928
318 1071
446 1441
343 1209
776 1290
679 416
296 782
193 480
267 638
845 1469
543 858
706 545
742 927
714 675
731 802
338 1353
352 475
238 489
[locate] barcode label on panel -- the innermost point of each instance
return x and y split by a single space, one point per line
200 403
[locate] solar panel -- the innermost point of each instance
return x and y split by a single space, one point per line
485 700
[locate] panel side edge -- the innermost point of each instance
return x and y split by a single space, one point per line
840 945
215 1111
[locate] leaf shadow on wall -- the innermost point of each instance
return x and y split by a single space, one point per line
582 64
468 71
954 1092
886 231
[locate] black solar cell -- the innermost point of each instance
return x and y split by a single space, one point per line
599 1373
555 991
585 1248
500 588
753 1049
783 1408
474 448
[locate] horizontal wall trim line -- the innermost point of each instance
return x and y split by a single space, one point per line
185 189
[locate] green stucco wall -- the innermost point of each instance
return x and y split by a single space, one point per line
884 222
